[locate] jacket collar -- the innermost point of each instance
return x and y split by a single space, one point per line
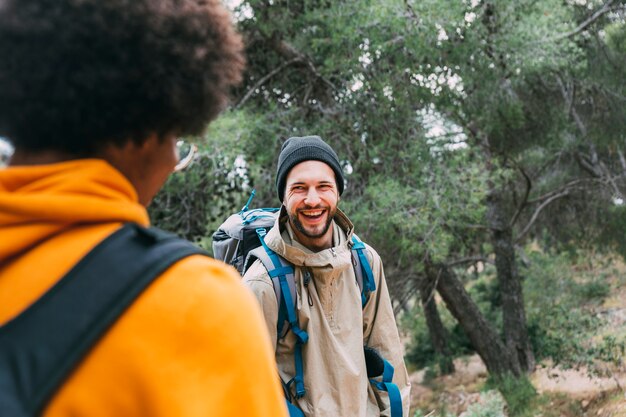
282 240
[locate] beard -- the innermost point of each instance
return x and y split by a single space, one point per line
309 233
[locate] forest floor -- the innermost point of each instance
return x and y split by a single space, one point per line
562 392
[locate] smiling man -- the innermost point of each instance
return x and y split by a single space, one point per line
326 375
95 95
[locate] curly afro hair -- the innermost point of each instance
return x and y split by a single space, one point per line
76 75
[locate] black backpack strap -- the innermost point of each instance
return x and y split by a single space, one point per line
41 346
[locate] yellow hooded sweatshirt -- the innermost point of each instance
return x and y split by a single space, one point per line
194 342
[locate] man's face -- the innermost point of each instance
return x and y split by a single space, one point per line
311 198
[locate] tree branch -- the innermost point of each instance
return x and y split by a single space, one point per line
408 293
292 56
587 164
568 96
469 259
524 201
622 160
584 25
566 187
536 213
288 51
411 12
264 79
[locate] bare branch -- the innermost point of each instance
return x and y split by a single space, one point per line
584 25
408 293
469 259
537 211
587 163
524 201
327 111
579 122
475 226
264 79
554 160
398 40
622 160
610 179
411 12
288 51
565 187
614 94
568 96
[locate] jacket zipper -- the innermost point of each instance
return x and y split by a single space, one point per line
307 279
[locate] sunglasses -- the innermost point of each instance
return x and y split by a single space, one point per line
186 153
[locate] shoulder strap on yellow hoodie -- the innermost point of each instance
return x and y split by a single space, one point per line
41 346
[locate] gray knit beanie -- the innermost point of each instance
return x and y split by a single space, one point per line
307 148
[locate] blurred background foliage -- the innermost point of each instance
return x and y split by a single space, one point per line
482 143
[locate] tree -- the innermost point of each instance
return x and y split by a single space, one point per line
467 129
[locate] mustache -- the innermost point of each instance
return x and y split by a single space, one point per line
308 208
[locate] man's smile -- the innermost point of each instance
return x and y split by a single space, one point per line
312 215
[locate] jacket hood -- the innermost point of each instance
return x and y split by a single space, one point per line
281 240
39 201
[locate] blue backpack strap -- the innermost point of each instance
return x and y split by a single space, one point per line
365 279
282 325
362 269
395 399
42 345
294 411
288 301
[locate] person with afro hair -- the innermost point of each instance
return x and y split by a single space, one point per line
94 95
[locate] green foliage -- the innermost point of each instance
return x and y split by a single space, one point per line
490 404
431 105
420 352
558 291
613 236
519 394
194 202
442 413
562 335
425 208
593 290
611 350
485 292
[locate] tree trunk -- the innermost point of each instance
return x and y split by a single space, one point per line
484 338
513 313
438 333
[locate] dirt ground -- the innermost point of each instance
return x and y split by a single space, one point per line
568 393
565 393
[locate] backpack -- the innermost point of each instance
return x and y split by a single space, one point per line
240 240
238 236
42 345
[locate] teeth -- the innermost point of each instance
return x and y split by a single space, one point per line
312 213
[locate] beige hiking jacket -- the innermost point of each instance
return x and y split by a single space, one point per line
329 310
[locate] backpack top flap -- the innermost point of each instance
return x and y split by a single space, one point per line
43 344
237 235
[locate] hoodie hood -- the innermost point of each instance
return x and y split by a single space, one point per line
39 201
